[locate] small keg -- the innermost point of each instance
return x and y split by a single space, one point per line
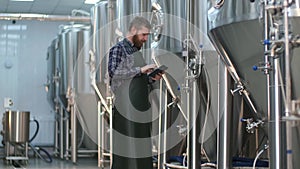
17 126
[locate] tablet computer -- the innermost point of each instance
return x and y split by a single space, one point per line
160 69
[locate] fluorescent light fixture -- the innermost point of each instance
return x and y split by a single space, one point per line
91 1
23 0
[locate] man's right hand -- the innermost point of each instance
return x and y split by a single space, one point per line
148 68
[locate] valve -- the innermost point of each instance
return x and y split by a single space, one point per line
252 125
265 67
239 89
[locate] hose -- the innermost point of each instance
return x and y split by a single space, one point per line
36 131
257 156
37 151
35 148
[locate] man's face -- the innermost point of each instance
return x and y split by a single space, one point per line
140 37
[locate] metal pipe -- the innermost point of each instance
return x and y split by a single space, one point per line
73 135
159 161
87 151
266 59
67 135
165 131
224 118
175 166
276 152
288 89
43 17
61 132
56 141
100 157
193 118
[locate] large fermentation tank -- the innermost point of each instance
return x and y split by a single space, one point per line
85 97
237 31
65 62
103 16
184 20
74 44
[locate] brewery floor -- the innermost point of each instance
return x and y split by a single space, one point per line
82 163
37 163
57 163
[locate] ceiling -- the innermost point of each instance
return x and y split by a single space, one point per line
50 7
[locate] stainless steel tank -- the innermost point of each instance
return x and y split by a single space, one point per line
67 44
85 97
182 20
237 30
74 44
63 64
103 16
128 9
17 126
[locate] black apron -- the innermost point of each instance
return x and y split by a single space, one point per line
132 123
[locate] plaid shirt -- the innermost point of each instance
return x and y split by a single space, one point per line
120 63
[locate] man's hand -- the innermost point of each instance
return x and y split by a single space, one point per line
148 68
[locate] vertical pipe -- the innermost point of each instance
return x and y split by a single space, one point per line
276 152
288 90
165 130
73 135
110 135
224 118
56 141
67 135
61 132
100 155
194 151
159 161
267 61
187 86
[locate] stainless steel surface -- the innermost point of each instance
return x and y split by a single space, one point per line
277 155
61 132
288 86
181 19
73 135
73 87
17 126
128 9
103 14
84 95
237 30
225 118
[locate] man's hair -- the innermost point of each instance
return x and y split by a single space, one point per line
138 22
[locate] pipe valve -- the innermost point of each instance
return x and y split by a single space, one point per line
252 125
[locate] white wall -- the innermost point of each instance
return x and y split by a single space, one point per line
23 46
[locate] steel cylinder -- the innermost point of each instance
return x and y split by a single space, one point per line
17 126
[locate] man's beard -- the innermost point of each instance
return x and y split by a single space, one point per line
137 43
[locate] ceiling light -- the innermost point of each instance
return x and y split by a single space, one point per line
91 1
